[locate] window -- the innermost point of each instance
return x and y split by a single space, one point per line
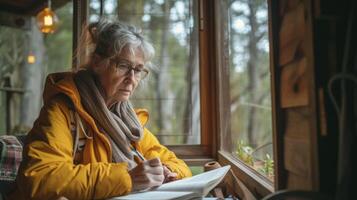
26 57
171 92
245 85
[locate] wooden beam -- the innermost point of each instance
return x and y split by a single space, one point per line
15 21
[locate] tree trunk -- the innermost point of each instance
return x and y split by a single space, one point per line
130 12
191 117
253 74
165 97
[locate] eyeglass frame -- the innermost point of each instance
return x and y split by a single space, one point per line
128 67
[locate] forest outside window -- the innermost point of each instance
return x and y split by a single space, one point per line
171 91
246 52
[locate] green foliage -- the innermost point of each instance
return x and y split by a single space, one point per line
268 167
196 170
244 152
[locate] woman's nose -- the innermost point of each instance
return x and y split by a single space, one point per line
130 75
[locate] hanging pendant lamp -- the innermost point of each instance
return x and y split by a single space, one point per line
47 20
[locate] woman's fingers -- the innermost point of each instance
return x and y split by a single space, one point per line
153 166
169 176
155 171
147 174
153 162
149 179
146 181
156 179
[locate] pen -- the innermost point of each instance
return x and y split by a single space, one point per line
137 154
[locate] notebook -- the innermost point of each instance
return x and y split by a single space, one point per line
191 188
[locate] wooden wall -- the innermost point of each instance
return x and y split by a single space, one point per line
296 101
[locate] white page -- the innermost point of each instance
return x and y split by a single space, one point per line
200 184
160 195
191 188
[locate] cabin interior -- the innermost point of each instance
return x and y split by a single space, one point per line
266 86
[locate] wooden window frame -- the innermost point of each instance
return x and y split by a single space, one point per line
194 155
80 18
198 155
258 184
213 115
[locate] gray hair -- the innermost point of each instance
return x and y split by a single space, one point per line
109 38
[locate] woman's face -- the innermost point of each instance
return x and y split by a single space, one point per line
120 76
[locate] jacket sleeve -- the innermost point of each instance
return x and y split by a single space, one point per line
47 170
151 148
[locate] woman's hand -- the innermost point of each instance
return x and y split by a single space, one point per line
169 176
147 174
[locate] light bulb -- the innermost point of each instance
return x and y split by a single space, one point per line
31 59
48 20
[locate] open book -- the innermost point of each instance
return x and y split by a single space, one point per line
191 188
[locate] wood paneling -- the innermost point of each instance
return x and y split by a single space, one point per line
291 33
287 5
298 182
297 123
297 96
294 91
296 156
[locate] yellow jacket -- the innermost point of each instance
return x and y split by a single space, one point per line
48 171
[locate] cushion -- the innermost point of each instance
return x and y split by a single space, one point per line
10 159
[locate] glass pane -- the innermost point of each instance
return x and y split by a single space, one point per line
171 92
26 57
249 82
196 170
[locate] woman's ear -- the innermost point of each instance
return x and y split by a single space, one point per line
98 63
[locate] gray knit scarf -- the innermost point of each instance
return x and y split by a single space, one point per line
120 123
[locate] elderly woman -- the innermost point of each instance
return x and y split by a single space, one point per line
88 142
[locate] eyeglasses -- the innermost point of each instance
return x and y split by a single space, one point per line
124 68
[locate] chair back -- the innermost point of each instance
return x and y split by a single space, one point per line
10 159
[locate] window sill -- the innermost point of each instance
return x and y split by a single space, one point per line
197 161
193 155
259 185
